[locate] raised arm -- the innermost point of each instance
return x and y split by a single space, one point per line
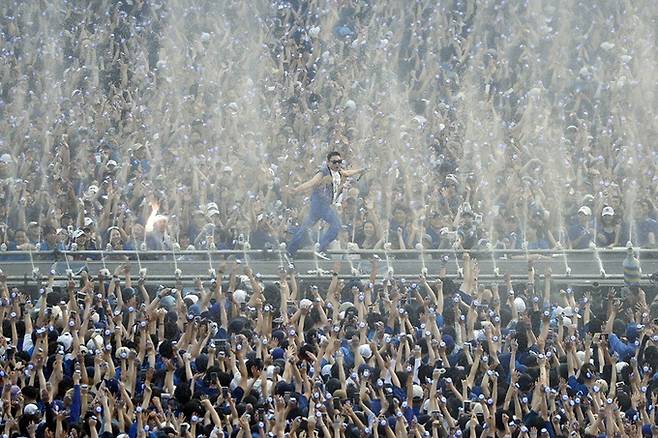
311 183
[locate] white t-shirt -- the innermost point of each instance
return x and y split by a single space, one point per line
335 182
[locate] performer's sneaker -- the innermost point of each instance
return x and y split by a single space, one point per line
322 255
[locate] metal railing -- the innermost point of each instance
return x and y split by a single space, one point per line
602 265
308 254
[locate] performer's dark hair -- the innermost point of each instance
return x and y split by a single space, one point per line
332 154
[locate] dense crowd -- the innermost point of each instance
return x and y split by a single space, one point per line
101 357
182 124
192 124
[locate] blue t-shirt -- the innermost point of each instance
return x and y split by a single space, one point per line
575 232
643 228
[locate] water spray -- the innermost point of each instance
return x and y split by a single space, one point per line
177 272
211 271
352 247
460 271
246 246
142 271
280 249
423 270
389 268
598 260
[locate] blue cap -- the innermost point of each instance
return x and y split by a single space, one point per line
278 353
450 342
633 331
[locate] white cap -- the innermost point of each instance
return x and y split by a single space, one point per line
191 297
608 211
31 409
56 313
88 221
95 343
65 339
305 303
240 296
519 304
418 391
585 210
111 163
77 233
365 351
5 158
568 311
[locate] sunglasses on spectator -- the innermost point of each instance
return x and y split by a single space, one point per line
336 161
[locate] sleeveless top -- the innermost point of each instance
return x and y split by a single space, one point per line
325 192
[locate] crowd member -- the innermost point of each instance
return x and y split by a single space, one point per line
494 108
235 357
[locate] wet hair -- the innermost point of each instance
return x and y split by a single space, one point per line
257 362
332 154
272 295
182 393
166 349
193 406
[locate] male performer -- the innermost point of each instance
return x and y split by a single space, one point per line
326 185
